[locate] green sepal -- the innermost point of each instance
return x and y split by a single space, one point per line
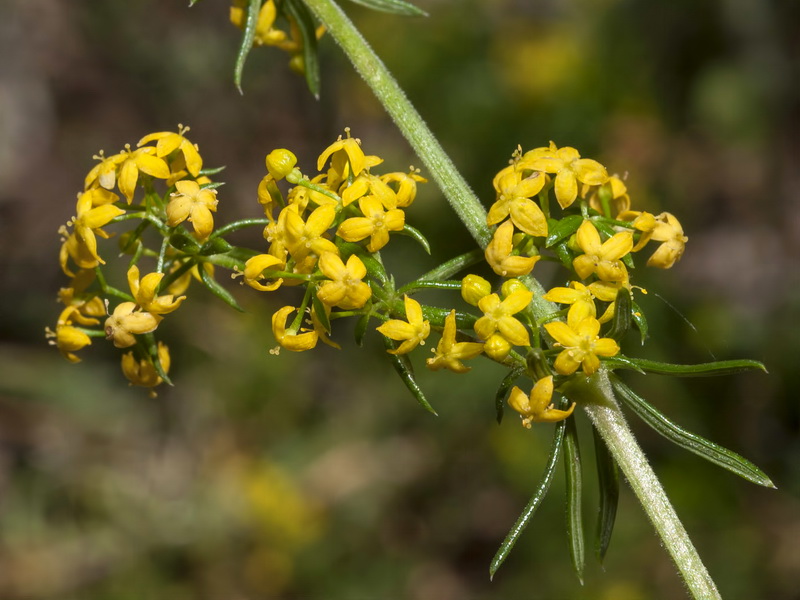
211 170
415 234
212 185
574 479
692 442
248 37
436 315
305 23
215 246
502 392
319 310
639 319
622 315
710 369
185 243
217 289
405 370
561 229
538 495
360 329
395 7
608 482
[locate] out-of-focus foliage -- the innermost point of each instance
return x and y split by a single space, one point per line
317 476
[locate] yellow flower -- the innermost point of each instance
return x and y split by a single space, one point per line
578 295
91 217
143 372
104 174
498 254
195 204
280 163
538 407
514 195
168 142
375 224
615 193
497 317
125 322
348 157
142 160
669 231
406 190
345 288
581 343
255 266
144 292
602 258
367 184
448 354
413 331
569 169
67 338
306 237
265 34
290 338
74 248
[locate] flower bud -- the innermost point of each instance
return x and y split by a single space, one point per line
280 163
497 347
510 286
473 288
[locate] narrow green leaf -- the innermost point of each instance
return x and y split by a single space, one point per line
212 170
502 392
415 234
622 315
640 320
212 186
574 478
361 329
405 370
564 255
534 502
185 243
608 480
319 311
454 265
621 361
692 442
710 369
562 229
215 245
217 289
248 36
436 315
397 7
308 31
151 348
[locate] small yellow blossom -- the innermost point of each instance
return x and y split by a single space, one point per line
669 231
538 407
254 269
90 218
348 157
614 192
135 161
412 332
290 338
168 142
375 224
144 292
448 354
104 174
125 322
498 254
569 169
67 338
581 343
406 190
514 193
143 372
497 317
368 184
306 237
576 295
473 288
602 258
280 163
345 287
195 204
74 248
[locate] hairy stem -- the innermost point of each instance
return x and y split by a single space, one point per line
427 147
597 398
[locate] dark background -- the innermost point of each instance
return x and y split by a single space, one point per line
316 475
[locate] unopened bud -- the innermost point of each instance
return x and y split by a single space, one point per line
280 163
473 288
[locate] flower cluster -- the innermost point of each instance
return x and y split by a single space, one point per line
122 187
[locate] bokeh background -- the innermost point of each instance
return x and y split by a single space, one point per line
317 476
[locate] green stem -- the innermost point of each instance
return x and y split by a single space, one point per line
597 398
427 147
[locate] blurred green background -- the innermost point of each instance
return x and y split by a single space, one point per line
317 476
